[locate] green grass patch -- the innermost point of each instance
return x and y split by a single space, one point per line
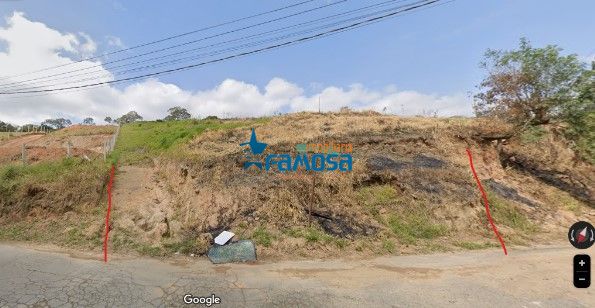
51 171
412 226
313 235
569 203
140 142
15 232
533 134
71 179
341 242
59 232
262 237
75 237
186 246
376 197
388 245
508 214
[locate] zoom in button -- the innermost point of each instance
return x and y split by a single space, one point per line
582 271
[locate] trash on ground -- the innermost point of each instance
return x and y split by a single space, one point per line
223 237
240 251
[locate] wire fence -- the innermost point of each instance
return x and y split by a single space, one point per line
110 144
39 152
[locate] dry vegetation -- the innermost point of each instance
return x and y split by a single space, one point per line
410 190
9 135
85 140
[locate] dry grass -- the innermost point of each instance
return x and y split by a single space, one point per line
410 190
85 130
9 135
367 211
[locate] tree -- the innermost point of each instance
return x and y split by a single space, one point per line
579 113
28 128
527 85
177 113
130 117
56 123
88 121
7 127
108 120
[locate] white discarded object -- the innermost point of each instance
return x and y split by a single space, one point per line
224 237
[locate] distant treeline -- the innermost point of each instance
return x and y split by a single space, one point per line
174 114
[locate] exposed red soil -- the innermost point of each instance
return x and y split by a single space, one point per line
45 147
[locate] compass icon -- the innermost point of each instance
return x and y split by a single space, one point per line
581 235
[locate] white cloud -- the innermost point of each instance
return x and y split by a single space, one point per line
87 48
114 41
33 45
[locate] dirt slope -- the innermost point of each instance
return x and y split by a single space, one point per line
411 189
84 140
11 149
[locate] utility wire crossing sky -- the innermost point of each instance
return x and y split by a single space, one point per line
60 67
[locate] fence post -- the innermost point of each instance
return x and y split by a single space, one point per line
24 154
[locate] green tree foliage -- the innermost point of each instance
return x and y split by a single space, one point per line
130 117
7 127
528 84
88 121
29 128
56 123
108 120
177 113
537 86
579 113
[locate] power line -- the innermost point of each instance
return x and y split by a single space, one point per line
186 43
194 57
335 33
275 46
164 39
105 66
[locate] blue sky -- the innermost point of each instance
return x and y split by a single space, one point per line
433 51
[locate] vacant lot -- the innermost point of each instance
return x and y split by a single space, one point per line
84 140
180 183
9 135
11 146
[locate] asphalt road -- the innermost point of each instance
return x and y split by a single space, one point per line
536 277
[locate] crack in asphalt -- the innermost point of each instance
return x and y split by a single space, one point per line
28 281
531 278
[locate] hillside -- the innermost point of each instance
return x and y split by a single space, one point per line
410 189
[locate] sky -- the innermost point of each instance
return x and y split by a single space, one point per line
422 62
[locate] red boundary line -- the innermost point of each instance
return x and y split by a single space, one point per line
109 208
485 201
